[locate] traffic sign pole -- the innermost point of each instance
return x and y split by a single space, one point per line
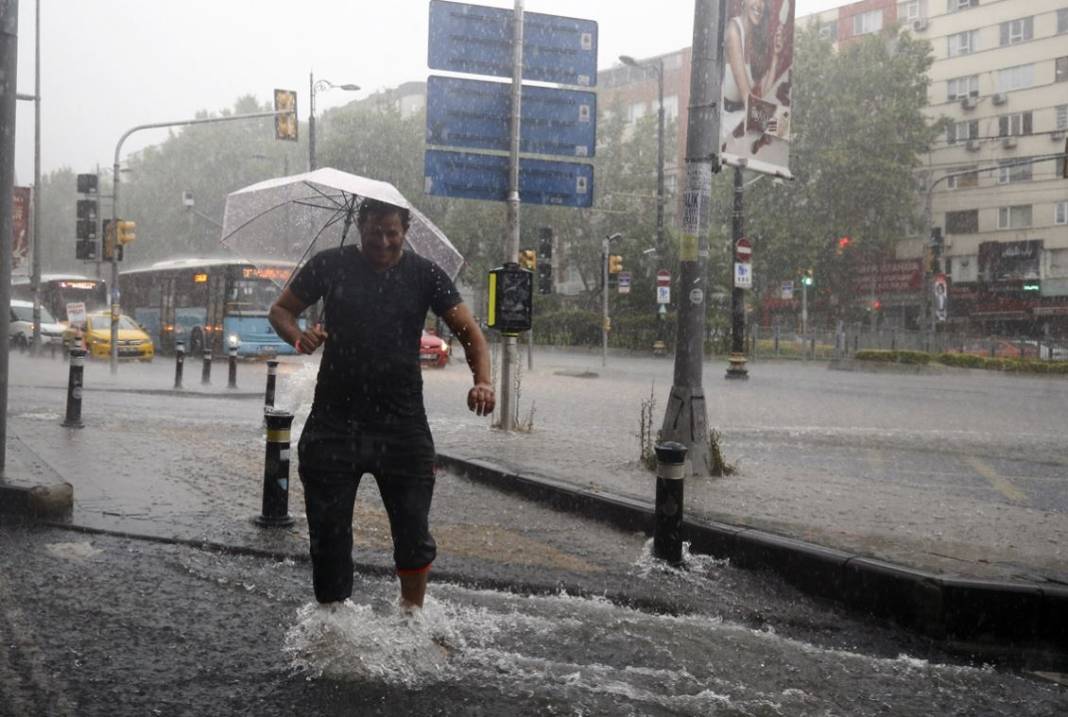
742 253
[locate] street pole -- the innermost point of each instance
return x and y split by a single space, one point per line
510 357
9 47
35 281
737 369
686 419
659 343
804 307
311 121
605 247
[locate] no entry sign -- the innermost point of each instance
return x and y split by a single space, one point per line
743 250
663 278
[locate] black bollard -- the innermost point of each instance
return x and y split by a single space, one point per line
179 363
272 374
74 389
275 513
232 383
670 475
812 348
205 375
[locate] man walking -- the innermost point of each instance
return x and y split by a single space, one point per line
368 414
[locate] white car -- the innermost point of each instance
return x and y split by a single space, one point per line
21 330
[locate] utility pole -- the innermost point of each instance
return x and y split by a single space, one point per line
35 271
510 355
9 46
686 419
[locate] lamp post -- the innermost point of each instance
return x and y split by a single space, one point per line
313 88
658 68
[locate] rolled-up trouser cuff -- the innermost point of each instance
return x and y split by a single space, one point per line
414 571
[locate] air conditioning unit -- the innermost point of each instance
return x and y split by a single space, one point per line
1000 98
1009 142
1057 135
919 25
968 103
972 145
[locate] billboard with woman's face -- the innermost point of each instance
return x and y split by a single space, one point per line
758 54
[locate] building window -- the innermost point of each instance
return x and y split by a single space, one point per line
955 5
1011 172
829 31
1060 72
965 222
1015 125
1015 78
868 22
1015 31
1062 20
671 107
1018 217
962 87
635 112
1062 116
963 181
962 43
911 11
962 131
1060 213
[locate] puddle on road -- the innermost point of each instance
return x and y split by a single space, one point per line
73 551
598 657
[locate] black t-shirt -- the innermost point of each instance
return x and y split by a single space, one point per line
374 321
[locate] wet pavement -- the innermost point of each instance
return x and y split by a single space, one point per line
531 611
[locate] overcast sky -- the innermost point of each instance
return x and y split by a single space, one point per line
108 65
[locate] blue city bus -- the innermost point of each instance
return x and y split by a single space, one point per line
207 304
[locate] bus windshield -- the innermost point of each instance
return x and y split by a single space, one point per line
91 292
250 296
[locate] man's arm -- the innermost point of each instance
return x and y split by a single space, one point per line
481 398
283 317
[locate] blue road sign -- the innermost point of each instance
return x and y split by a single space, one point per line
466 175
478 40
476 114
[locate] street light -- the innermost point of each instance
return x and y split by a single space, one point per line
658 68
319 87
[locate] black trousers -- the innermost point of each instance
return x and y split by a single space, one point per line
335 450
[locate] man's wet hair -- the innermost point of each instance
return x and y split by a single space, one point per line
377 208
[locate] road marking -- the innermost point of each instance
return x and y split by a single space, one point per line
1000 483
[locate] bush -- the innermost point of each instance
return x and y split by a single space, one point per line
962 360
878 355
919 358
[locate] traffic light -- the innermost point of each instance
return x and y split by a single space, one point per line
85 250
88 183
615 263
86 216
527 259
126 232
511 294
545 260
109 245
285 125
843 244
807 279
85 219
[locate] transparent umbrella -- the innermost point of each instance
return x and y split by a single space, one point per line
292 218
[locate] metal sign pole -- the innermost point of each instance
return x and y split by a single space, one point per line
9 31
511 241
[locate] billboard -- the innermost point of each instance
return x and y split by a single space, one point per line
20 238
758 53
1009 261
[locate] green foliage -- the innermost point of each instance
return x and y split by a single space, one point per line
913 357
962 360
878 355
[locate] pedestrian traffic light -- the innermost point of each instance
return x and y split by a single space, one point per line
511 295
807 279
88 183
527 259
615 264
126 233
85 219
285 125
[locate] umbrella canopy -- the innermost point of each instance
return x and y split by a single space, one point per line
292 218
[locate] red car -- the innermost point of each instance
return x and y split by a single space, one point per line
433 351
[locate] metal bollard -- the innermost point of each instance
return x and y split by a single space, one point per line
74 389
670 475
812 348
275 512
179 363
272 375
232 383
205 375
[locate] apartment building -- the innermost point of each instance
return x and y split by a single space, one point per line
1000 78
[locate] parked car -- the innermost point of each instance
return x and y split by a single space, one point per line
134 342
21 328
433 351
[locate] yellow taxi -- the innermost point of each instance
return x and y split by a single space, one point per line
134 342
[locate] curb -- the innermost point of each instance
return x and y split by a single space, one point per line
34 499
973 614
176 393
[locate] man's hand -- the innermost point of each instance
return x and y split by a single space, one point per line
481 399
310 339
